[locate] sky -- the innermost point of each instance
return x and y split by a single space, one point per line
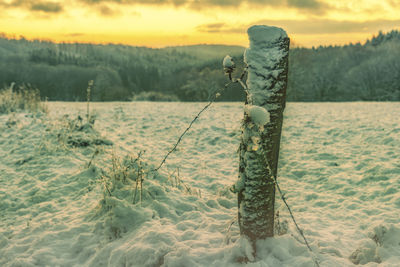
160 23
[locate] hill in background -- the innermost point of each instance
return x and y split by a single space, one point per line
369 71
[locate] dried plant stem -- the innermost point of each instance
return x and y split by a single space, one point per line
138 179
92 158
136 188
105 185
141 189
88 94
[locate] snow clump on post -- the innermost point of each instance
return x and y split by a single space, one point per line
258 115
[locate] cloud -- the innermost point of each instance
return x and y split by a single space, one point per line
74 34
47 7
204 4
313 26
326 26
107 11
15 3
306 4
36 6
201 4
130 2
220 28
103 7
394 3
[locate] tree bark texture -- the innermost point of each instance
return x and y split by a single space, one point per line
267 61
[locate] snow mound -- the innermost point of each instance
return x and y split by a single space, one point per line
77 133
383 246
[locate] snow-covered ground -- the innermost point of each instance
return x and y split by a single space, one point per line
339 168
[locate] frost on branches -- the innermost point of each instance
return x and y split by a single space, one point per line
267 60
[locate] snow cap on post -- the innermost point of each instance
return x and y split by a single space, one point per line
262 34
266 59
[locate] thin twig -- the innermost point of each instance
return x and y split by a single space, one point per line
105 185
294 220
150 194
240 80
266 162
137 183
180 138
139 155
141 187
179 177
215 96
188 128
227 236
91 160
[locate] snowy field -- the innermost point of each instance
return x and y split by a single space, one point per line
339 168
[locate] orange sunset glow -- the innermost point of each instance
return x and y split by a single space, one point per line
183 22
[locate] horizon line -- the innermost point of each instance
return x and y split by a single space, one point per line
18 37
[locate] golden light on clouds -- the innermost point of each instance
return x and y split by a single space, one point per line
159 23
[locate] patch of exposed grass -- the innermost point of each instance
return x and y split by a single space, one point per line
125 177
21 99
74 132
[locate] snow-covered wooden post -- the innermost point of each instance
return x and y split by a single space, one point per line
267 61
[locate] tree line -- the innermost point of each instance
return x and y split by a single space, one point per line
354 72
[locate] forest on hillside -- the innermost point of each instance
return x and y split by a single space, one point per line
354 72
